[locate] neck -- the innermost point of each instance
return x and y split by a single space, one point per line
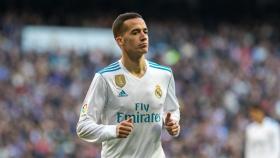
136 67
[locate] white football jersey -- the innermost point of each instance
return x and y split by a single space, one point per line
262 140
115 95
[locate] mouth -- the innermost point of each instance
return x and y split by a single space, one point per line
143 45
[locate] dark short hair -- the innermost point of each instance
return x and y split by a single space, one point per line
256 107
117 26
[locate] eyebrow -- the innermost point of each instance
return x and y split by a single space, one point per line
137 29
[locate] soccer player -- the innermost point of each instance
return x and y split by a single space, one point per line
129 101
262 135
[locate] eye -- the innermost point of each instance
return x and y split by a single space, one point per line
145 31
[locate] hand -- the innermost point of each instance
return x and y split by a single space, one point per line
171 126
124 128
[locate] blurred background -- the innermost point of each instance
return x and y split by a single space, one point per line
225 56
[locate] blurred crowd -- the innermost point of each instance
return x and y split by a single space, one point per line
219 71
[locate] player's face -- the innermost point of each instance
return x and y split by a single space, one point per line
256 115
135 39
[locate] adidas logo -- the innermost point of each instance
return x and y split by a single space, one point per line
122 94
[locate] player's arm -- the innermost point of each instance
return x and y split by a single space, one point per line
276 140
171 110
87 127
247 149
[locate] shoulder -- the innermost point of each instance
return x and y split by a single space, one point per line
160 68
115 66
251 127
271 122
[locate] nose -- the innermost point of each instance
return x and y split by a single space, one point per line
144 36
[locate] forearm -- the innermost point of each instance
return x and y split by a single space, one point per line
175 115
90 131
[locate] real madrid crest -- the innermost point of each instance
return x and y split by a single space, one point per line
158 91
120 80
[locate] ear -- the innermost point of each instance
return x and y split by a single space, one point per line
120 40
